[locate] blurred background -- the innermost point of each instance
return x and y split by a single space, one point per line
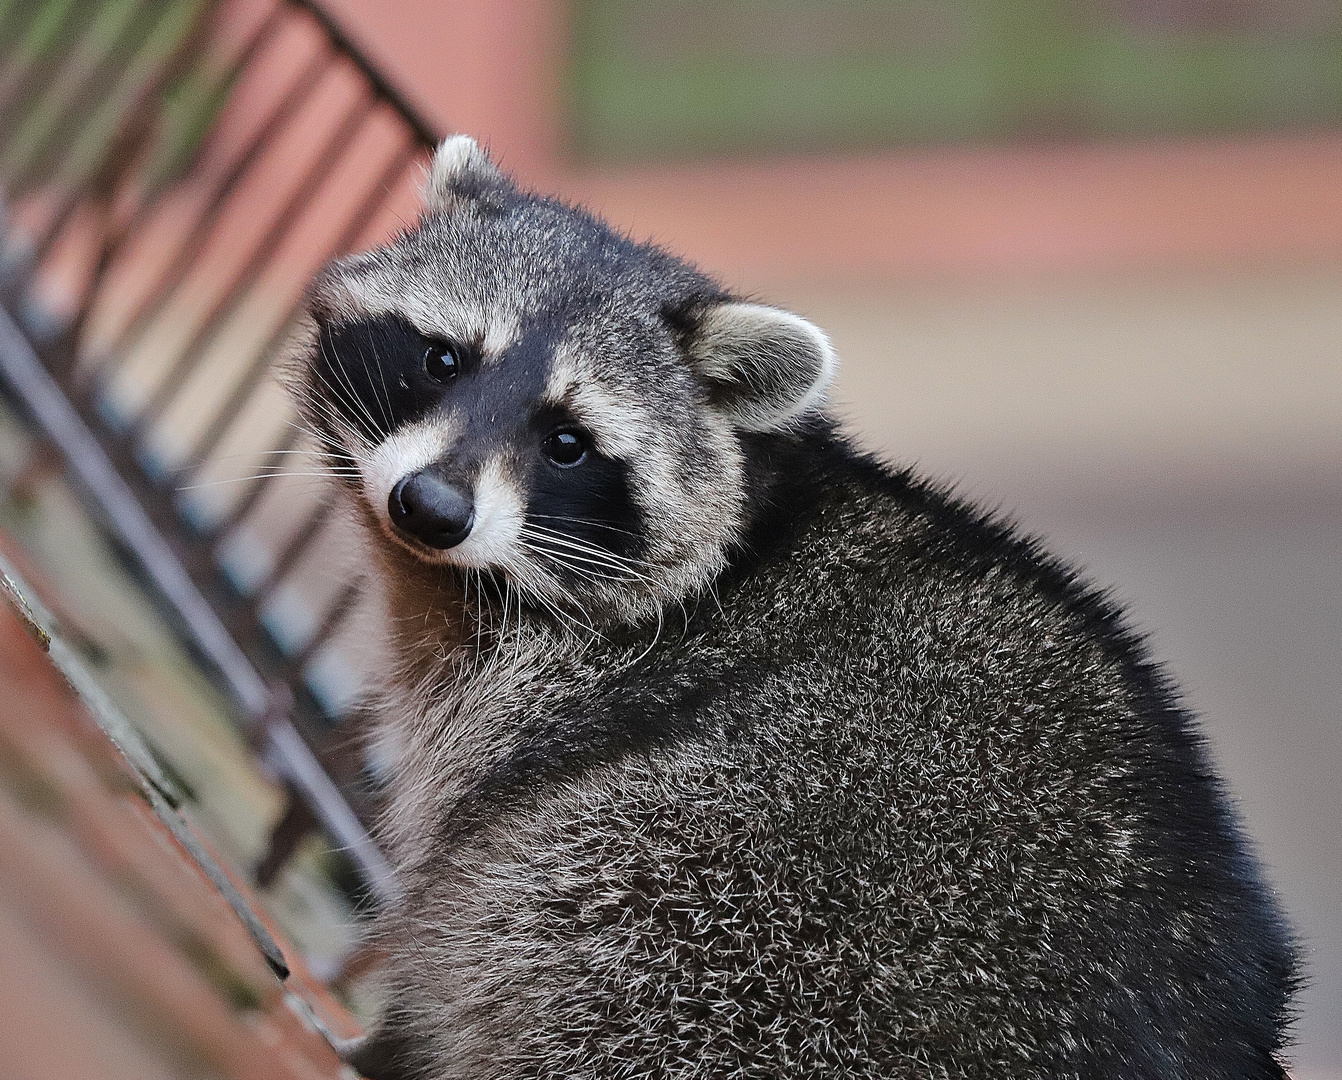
1082 258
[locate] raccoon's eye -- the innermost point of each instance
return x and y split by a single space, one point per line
566 448
440 362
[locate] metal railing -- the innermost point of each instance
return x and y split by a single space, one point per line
173 172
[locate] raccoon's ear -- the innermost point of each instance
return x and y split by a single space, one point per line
460 170
764 367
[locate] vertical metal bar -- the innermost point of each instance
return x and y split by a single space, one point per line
65 77
256 488
284 748
131 96
90 465
72 100
76 192
260 366
294 760
287 833
332 619
147 201
193 244
289 554
167 44
237 289
84 41
381 87
23 80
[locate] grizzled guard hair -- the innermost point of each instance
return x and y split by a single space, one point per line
719 749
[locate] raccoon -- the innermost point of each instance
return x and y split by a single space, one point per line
719 747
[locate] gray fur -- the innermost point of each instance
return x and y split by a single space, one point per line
834 776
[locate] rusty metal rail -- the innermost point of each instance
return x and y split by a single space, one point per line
172 173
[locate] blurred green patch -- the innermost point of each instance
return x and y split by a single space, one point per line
678 78
93 91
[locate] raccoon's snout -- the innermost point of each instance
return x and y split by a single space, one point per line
435 512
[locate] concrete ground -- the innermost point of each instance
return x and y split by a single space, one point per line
1180 437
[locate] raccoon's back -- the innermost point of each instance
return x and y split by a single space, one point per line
968 774
907 801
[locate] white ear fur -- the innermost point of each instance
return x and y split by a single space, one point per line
766 367
457 161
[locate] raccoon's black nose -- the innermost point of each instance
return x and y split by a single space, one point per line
432 510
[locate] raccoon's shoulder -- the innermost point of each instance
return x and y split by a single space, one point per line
854 553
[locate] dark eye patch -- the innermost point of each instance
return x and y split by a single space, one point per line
590 505
374 372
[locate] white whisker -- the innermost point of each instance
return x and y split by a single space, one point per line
355 400
263 476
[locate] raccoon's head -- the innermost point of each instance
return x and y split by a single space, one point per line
513 388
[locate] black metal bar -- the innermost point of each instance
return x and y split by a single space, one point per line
90 465
289 831
287 753
257 370
293 759
65 79
101 105
331 621
287 557
192 247
224 416
75 189
236 292
147 203
86 86
253 492
425 132
168 45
